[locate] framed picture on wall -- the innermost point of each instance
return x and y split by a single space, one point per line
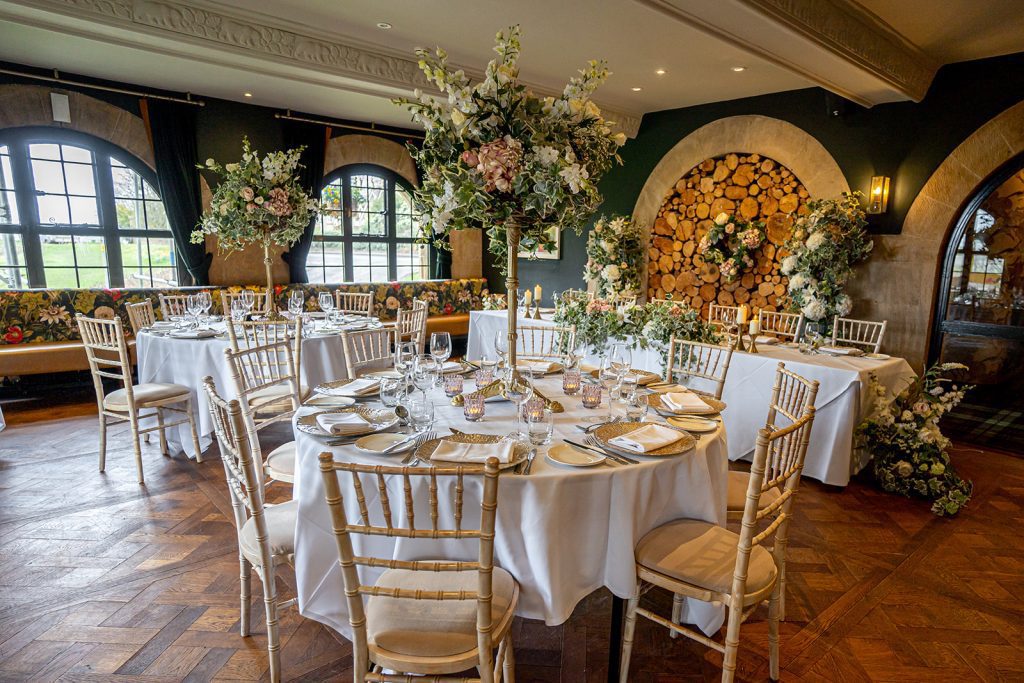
554 253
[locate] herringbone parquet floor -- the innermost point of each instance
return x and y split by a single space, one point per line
101 580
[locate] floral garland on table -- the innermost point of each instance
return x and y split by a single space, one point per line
911 455
665 319
729 242
257 201
496 155
826 243
494 302
615 249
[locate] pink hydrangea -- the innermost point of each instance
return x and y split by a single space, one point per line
498 162
750 238
729 269
278 204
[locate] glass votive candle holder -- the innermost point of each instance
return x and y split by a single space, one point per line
484 376
571 380
452 384
473 407
535 406
591 395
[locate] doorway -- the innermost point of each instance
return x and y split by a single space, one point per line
980 312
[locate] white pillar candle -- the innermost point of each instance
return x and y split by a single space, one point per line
537 291
528 298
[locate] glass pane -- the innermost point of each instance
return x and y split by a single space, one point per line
53 209
156 218
91 277
6 174
359 223
150 192
148 262
47 176
79 154
44 151
130 215
330 197
369 205
370 262
84 211
91 252
403 227
413 261
13 274
331 224
126 182
81 179
333 253
8 208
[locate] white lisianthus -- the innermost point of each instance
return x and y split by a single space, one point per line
789 264
815 241
722 218
611 272
797 282
230 168
573 176
813 309
211 162
547 155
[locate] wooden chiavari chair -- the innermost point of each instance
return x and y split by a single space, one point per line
250 333
260 306
266 534
412 324
864 334
367 351
353 303
266 383
785 326
717 314
140 315
107 351
694 359
545 343
428 617
173 304
699 560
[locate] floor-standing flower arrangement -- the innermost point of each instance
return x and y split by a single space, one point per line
258 201
730 243
910 453
615 252
826 244
499 157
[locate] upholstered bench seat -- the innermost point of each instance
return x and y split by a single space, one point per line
37 359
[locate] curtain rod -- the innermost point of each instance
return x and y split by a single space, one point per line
333 124
56 78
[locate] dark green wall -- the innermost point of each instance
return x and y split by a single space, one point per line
906 141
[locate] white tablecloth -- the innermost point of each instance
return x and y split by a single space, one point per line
188 361
841 401
562 532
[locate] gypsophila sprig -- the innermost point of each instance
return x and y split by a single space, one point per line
910 453
257 201
826 244
495 154
730 243
615 252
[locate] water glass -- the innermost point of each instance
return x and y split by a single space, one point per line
238 310
296 303
591 395
452 384
636 407
540 425
249 299
405 356
423 372
421 414
205 302
571 379
391 391
473 407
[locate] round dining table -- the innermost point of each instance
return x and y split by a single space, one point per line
562 531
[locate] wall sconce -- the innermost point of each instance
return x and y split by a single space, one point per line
878 197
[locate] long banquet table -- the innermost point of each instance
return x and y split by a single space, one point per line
562 532
188 361
841 403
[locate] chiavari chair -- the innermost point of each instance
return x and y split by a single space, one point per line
721 315
140 315
367 350
545 343
266 533
173 304
700 560
411 324
786 326
261 303
354 303
687 359
107 351
428 617
864 334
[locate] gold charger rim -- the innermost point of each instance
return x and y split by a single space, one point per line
606 432
426 449
644 377
714 406
380 419
325 388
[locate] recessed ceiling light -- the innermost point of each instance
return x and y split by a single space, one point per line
637 89
737 69
383 25
660 72
247 94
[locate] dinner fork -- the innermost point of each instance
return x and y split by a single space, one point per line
592 441
411 460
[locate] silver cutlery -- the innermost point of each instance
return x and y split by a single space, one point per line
529 461
411 459
398 444
592 440
601 452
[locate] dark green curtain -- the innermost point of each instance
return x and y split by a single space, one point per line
311 177
172 127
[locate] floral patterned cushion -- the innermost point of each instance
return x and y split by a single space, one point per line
36 316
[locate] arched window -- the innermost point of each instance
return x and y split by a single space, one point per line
368 230
76 211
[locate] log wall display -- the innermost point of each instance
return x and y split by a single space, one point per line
748 185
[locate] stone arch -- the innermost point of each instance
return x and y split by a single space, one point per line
910 263
370 149
29 105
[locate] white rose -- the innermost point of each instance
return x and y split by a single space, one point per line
815 240
722 218
211 162
789 264
592 109
231 168
619 139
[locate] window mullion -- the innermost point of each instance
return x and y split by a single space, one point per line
346 223
28 211
392 228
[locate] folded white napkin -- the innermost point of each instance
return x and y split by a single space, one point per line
360 387
342 423
164 325
477 453
670 389
766 340
680 401
192 334
647 439
537 366
842 350
451 366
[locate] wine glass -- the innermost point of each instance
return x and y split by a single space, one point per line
518 388
296 303
249 299
620 359
812 336
194 306
326 301
424 370
238 310
501 346
421 414
205 301
405 356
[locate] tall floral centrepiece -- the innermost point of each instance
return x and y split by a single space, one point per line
258 201
615 250
498 157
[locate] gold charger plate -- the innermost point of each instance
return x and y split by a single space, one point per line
643 377
714 406
427 448
605 433
379 421
333 388
553 368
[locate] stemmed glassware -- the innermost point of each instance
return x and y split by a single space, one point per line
405 357
296 303
501 346
518 388
238 310
194 306
249 299
326 302
812 337
732 328
205 302
424 372
440 349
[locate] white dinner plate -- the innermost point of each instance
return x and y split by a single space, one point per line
330 401
389 374
564 454
374 444
693 423
877 356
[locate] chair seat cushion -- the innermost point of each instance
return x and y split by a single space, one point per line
275 399
702 554
280 532
280 462
144 393
737 495
435 628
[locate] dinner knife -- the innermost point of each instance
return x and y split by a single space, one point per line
608 454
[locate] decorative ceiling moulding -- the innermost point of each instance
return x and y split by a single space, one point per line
834 43
254 36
